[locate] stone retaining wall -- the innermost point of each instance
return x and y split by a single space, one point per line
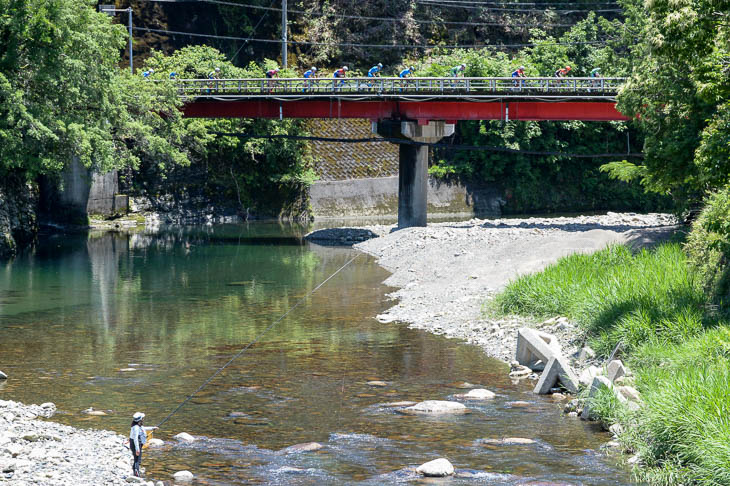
18 221
379 197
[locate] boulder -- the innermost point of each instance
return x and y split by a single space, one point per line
185 437
155 443
587 375
630 393
535 348
436 407
615 369
585 354
438 468
305 447
183 476
478 394
557 370
3 376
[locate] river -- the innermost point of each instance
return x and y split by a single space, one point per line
123 323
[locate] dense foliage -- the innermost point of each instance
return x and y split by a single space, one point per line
62 93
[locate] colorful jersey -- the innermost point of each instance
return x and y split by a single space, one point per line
340 73
212 75
373 71
456 70
146 74
595 72
517 74
271 73
405 73
173 75
560 73
309 74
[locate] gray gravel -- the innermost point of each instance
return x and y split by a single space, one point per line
39 452
445 272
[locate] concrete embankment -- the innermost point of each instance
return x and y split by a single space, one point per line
445 272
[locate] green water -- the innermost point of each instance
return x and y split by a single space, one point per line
171 308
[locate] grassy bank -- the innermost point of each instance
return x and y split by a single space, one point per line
653 302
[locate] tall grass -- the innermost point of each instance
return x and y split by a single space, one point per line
654 304
651 296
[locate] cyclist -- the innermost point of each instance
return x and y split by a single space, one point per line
148 73
213 77
271 74
312 73
173 75
375 70
595 74
518 73
456 71
339 74
562 72
406 73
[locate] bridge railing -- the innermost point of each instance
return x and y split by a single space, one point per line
401 87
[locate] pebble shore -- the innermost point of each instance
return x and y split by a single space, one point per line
446 272
40 452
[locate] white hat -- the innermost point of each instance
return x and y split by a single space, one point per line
138 416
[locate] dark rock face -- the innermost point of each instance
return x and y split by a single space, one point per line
18 219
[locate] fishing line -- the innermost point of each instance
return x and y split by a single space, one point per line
245 348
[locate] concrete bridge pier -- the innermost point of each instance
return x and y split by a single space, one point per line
413 165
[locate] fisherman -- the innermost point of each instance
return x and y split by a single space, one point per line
137 438
148 73
311 73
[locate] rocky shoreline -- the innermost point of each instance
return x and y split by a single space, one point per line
39 452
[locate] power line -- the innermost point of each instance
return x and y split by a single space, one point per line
440 3
253 31
447 146
354 44
383 19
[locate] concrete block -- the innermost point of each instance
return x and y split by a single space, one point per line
599 383
534 346
615 369
121 203
557 370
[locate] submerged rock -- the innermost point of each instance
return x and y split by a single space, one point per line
183 476
478 394
438 468
436 407
377 383
304 447
507 441
184 436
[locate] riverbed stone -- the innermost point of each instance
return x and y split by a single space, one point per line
183 476
304 447
154 442
630 393
535 348
185 437
436 407
478 394
3 376
557 371
585 354
615 369
507 441
438 468
377 383
587 375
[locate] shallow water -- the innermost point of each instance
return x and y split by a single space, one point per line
171 308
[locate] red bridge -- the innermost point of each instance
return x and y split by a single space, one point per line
419 99
414 112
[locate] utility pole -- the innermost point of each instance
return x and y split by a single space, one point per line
283 33
110 10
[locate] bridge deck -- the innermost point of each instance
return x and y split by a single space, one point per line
423 99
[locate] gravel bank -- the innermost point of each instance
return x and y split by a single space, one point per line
446 271
39 452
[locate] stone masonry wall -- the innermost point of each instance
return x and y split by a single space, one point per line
18 220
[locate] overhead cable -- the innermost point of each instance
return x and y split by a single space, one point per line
354 44
440 145
440 3
383 19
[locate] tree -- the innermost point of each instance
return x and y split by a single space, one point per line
63 94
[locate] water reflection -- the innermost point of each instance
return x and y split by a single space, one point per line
126 322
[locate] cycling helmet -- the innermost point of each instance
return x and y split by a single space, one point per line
463 66
314 69
152 71
217 69
380 66
344 68
567 68
522 68
412 68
